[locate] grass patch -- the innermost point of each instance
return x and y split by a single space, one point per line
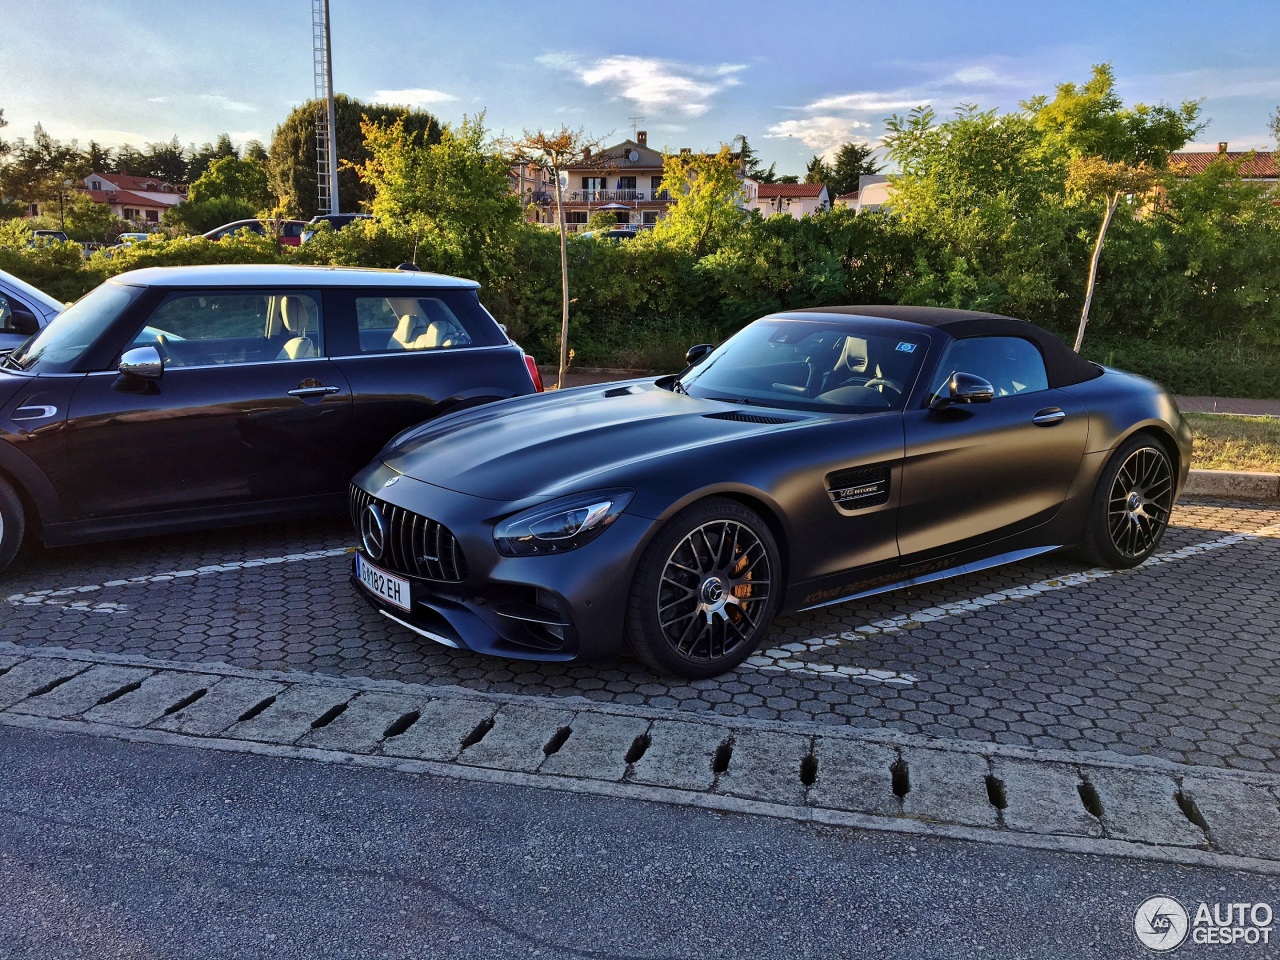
1224 442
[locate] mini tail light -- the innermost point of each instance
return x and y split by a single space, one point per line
534 373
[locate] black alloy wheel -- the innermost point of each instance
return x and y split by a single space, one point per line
1131 506
12 524
706 590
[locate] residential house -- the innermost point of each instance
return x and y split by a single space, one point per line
873 193
1258 167
140 199
793 199
625 179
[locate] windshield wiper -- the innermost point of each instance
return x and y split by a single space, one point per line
6 360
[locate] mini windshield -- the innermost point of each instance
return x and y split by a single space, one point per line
837 366
60 345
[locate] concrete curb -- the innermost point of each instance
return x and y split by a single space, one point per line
1233 485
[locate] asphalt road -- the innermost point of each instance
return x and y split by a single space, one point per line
1174 660
116 849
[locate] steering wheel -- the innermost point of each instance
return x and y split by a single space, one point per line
880 383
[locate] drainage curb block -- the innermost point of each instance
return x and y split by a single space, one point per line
1056 800
1233 485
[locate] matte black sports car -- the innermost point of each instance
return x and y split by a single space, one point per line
815 457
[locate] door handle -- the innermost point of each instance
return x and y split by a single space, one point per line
1048 418
314 391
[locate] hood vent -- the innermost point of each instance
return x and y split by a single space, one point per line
618 392
748 417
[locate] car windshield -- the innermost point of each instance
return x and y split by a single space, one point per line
58 346
840 366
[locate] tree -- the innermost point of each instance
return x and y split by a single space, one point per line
36 169
1275 127
708 197
87 220
1113 151
751 164
1093 178
816 170
235 179
452 195
555 152
291 163
853 160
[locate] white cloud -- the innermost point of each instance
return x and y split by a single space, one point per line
869 102
983 76
824 134
226 103
652 84
413 97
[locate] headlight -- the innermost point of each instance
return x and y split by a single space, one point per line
560 525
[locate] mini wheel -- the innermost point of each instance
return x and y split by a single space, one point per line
12 524
706 590
1131 505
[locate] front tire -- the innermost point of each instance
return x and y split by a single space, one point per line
706 590
1131 505
12 524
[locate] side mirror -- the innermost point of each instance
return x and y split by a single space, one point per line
142 363
696 354
964 388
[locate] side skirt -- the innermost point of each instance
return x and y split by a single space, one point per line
945 574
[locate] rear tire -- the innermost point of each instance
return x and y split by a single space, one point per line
1130 509
13 524
706 590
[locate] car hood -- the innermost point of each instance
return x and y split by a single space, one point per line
558 442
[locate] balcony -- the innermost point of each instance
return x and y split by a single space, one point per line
615 196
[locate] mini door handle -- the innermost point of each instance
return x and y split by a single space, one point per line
1047 418
35 413
313 391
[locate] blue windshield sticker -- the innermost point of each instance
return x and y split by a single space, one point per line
906 348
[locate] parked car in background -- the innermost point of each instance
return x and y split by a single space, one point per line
289 232
48 236
614 233
24 309
335 220
172 398
815 457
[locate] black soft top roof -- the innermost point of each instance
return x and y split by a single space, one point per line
1062 364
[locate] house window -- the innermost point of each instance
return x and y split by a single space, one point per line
650 217
96 185
130 213
593 183
153 216
655 182
575 216
626 183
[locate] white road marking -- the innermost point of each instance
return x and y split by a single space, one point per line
783 657
60 597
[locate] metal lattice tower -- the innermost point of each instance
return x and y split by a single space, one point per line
326 134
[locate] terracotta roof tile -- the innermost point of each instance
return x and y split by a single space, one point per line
770 191
1252 166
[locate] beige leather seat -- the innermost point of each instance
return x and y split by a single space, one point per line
407 332
296 317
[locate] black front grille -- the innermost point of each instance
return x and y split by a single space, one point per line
416 546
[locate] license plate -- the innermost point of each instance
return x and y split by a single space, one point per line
386 586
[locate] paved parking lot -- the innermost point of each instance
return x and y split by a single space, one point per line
1175 660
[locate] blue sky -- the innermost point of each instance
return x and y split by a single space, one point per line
797 78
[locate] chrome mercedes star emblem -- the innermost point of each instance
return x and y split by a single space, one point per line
373 531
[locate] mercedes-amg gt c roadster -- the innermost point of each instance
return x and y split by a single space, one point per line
816 457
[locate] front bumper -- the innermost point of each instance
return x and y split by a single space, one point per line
549 608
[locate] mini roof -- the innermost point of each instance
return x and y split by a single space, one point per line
1062 364
292 275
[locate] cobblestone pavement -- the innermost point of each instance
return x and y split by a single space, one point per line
1175 660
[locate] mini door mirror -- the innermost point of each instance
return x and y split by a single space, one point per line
142 363
964 388
696 354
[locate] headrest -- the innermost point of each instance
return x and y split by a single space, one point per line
293 311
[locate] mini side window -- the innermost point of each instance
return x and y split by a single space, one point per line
214 327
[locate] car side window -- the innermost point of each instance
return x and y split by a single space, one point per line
1010 364
214 327
16 318
399 323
